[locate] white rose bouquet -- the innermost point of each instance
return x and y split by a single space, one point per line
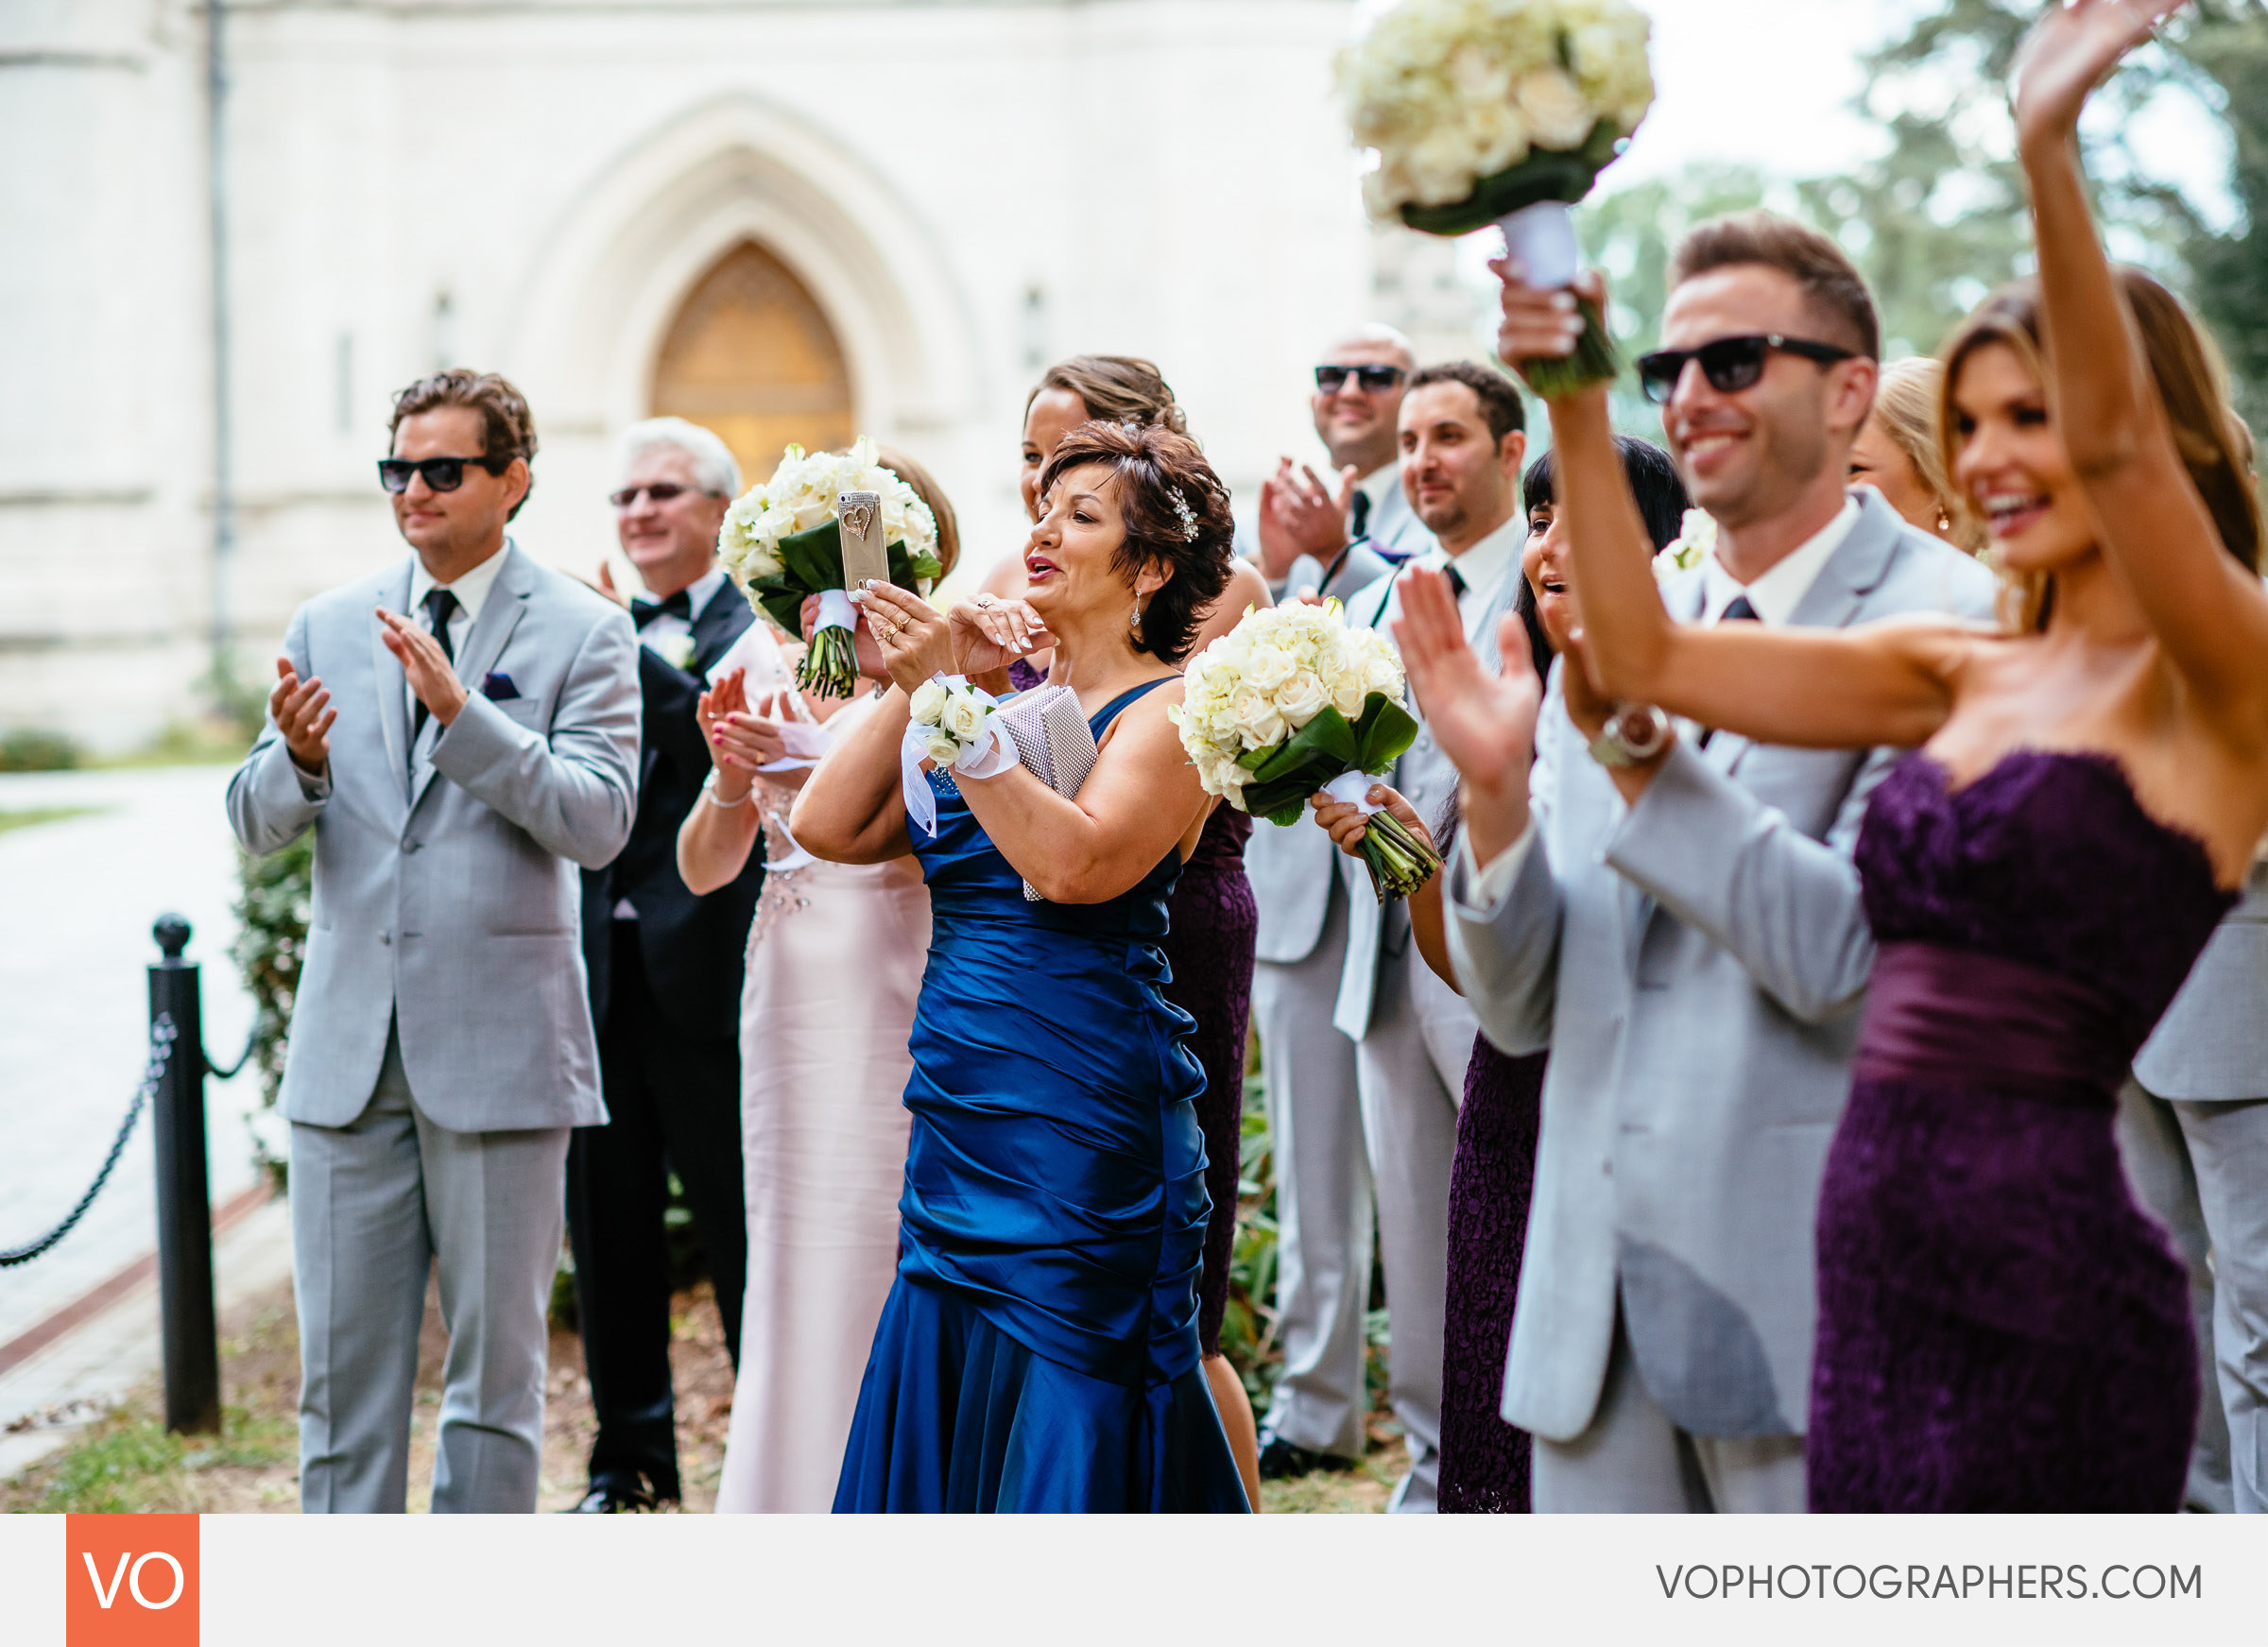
1292 701
781 542
1502 112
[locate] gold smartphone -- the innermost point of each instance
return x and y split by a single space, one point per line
866 555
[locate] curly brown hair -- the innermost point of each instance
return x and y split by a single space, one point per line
507 427
1153 468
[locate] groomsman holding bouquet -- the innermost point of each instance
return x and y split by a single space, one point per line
665 977
460 730
1675 914
1334 540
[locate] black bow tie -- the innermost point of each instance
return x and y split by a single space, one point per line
679 606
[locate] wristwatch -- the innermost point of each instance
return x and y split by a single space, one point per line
1634 733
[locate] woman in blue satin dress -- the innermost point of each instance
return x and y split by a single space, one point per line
1040 1350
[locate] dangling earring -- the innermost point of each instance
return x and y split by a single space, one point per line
1134 623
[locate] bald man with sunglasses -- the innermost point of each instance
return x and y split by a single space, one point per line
461 732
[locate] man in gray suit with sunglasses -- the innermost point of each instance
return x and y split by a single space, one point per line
461 732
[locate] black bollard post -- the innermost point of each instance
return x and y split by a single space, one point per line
184 1195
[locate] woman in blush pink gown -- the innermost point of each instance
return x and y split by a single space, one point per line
834 962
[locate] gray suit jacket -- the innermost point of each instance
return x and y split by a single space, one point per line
1376 935
1694 963
2212 1044
446 896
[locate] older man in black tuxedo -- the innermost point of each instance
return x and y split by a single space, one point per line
665 975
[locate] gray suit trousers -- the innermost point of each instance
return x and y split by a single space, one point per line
1633 1459
1412 1069
373 1204
2156 1158
2228 1146
1322 1194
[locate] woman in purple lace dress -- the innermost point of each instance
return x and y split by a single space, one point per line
2000 1328
1214 925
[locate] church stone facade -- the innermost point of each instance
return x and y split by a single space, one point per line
788 219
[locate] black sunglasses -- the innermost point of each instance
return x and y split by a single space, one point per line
441 473
1376 379
1730 364
661 491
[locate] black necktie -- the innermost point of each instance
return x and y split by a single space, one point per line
679 606
1456 582
1740 611
1358 518
440 606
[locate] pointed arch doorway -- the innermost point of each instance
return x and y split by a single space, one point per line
751 355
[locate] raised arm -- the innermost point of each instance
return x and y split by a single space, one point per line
2206 610
1887 684
852 807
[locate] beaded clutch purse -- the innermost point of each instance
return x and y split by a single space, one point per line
1054 741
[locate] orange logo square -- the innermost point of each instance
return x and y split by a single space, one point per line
129 1581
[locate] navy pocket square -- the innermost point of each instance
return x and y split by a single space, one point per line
498 687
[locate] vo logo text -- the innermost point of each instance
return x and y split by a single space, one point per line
130 1580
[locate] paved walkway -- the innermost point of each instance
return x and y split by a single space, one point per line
76 901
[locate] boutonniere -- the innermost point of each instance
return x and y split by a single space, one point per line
676 650
1696 541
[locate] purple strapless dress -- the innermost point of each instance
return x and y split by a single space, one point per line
1484 1461
1213 929
2000 1327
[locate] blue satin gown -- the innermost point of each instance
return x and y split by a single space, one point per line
1038 1349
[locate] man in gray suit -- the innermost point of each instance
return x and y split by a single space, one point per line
2203 1077
1675 916
455 772
1463 438
1312 540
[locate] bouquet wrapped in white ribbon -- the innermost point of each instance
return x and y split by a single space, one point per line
961 728
1292 701
1502 112
781 543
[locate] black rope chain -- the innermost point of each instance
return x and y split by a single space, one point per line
161 1036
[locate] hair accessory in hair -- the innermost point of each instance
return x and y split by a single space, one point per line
1189 516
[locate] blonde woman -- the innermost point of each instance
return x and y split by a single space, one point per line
1900 453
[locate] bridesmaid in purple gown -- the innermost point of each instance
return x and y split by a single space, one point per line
2000 1328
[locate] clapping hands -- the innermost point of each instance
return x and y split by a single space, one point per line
303 715
1301 516
1484 722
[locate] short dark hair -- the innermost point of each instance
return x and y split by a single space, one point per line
1501 405
507 427
1832 286
1155 467
1654 480
1118 388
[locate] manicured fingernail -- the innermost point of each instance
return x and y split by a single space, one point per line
1563 300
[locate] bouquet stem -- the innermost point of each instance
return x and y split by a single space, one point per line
830 665
1595 360
1541 240
1399 863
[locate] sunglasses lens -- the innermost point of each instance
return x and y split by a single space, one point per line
1331 379
1658 375
1733 364
393 473
444 474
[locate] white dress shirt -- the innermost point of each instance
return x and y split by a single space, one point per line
1482 568
471 591
1774 593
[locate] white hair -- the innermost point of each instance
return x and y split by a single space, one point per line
713 465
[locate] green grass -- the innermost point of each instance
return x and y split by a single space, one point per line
198 743
128 1462
40 814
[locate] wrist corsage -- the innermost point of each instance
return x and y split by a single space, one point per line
956 727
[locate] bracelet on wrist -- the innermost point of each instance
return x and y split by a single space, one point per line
710 795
